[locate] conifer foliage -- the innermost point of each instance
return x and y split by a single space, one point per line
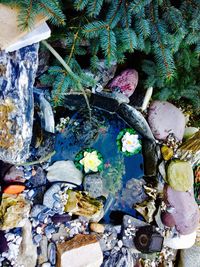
168 31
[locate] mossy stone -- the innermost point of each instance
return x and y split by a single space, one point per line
180 175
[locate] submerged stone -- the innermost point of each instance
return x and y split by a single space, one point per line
164 119
180 175
16 102
93 184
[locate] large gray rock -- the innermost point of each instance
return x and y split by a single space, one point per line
18 70
164 118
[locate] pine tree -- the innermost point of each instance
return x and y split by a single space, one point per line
165 30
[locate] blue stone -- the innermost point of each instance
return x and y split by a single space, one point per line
16 98
52 253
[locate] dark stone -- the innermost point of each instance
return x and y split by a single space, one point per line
150 157
105 101
74 101
148 240
136 120
61 218
3 242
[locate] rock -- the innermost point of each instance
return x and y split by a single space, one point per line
13 210
93 184
189 257
83 205
184 211
136 120
106 101
48 200
3 242
180 241
43 256
130 224
190 149
97 227
167 152
62 232
27 251
64 171
118 258
147 209
134 192
149 150
82 250
148 240
168 219
189 132
14 175
60 218
52 253
126 82
16 102
109 239
39 182
103 75
164 118
180 175
46 264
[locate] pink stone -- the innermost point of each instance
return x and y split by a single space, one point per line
126 82
185 215
164 118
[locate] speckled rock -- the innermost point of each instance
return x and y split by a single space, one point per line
183 211
180 175
126 82
164 118
18 70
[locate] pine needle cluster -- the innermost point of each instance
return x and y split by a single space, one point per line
167 31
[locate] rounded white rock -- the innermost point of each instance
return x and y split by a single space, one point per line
181 241
46 264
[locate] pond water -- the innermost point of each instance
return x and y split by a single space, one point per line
101 134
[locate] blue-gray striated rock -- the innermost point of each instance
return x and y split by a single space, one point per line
17 75
122 258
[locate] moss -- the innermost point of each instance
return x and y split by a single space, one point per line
6 138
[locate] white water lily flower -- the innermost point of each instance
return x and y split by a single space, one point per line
90 161
130 142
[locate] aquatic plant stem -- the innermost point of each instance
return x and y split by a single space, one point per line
70 72
38 161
